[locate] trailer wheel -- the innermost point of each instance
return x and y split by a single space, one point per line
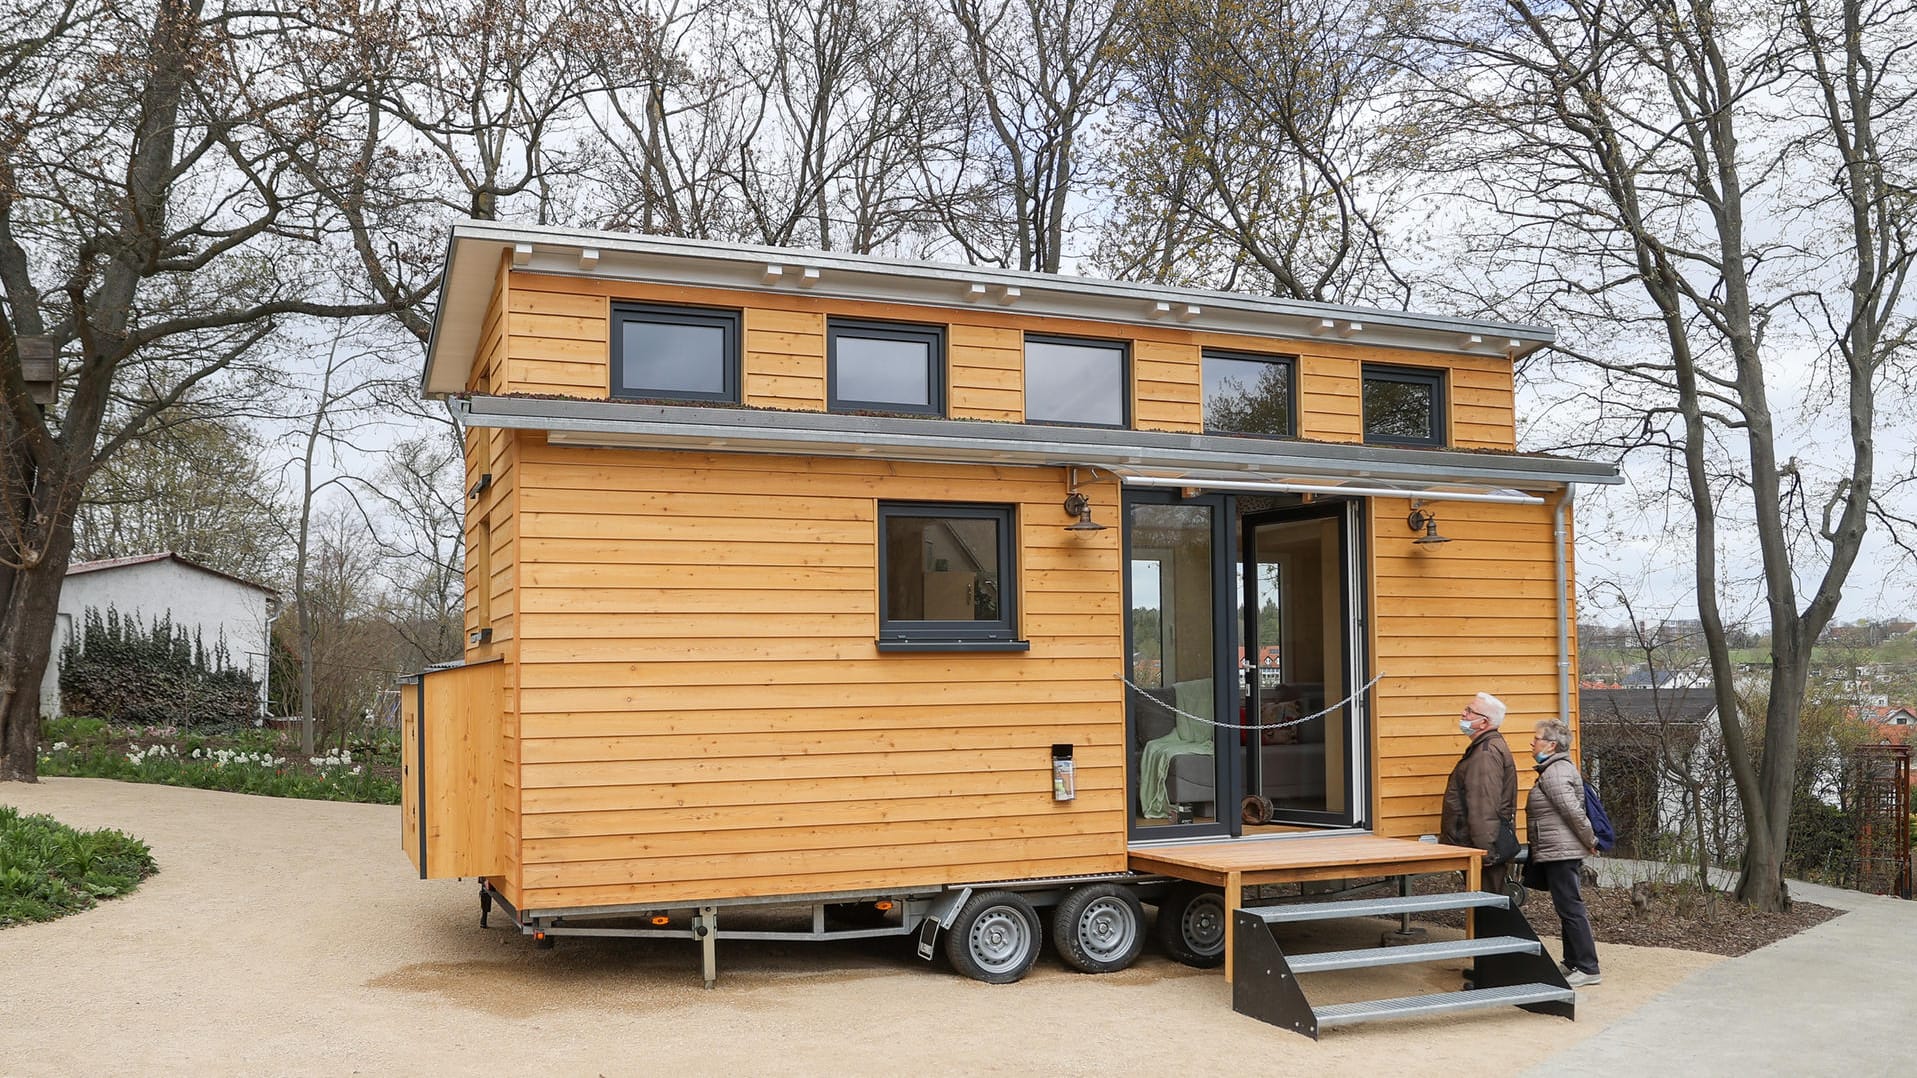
1099 928
1191 925
994 938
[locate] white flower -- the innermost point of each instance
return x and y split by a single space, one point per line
59 746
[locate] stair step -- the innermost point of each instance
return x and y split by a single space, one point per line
1345 1014
1375 907
1368 957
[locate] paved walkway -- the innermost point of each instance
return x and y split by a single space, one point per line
1839 999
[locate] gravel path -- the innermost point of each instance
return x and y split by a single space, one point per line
292 937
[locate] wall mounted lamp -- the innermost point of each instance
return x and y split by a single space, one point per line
1426 521
1078 505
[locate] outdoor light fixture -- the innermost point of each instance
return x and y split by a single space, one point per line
1424 520
1080 506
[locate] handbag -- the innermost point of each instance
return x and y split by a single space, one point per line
1534 876
1505 846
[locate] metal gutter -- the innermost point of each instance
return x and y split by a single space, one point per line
1283 486
659 426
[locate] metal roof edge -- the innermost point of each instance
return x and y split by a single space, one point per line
732 429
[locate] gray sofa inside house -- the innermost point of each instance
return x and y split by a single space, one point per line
1293 759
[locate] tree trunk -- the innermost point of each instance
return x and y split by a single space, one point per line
26 643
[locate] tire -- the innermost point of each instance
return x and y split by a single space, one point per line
1516 891
995 937
1099 928
1191 925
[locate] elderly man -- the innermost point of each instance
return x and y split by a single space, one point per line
1482 797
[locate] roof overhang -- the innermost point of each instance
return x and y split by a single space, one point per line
1198 460
475 250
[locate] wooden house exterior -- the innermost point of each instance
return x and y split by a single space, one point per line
757 606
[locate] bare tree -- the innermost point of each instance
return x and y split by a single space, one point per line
196 488
1709 195
1262 148
148 236
1039 72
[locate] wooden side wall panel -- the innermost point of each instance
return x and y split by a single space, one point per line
985 369
1329 406
555 341
1476 614
456 797
704 712
784 359
1168 393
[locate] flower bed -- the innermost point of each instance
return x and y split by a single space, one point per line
248 762
49 870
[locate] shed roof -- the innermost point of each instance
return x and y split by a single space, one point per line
1687 707
474 250
99 565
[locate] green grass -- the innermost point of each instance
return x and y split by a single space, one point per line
49 870
237 761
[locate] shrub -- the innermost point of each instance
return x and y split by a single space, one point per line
49 870
123 672
337 776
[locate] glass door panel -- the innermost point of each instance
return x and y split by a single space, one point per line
1174 575
1298 628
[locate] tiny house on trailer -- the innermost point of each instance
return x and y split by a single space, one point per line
925 597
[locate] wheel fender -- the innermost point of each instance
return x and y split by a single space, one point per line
939 915
945 908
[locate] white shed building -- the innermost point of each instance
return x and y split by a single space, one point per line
200 600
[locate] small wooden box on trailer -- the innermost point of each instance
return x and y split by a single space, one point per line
919 596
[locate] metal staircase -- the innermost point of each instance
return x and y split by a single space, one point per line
1509 966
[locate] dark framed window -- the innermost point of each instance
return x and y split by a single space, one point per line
948 579
675 353
1403 406
885 367
1076 382
1247 393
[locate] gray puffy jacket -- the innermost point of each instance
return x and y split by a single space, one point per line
1554 813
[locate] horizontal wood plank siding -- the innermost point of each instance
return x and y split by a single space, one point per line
785 359
1475 614
1168 393
557 342
704 712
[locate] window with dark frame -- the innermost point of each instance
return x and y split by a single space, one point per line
1076 382
947 577
885 367
675 353
1249 393
1403 406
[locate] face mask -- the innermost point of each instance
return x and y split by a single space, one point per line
1464 726
1541 756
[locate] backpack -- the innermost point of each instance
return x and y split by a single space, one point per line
1600 820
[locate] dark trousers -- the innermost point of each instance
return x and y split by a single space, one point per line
1580 950
1492 878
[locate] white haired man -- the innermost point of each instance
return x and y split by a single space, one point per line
1481 798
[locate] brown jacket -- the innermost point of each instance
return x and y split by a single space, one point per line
1483 789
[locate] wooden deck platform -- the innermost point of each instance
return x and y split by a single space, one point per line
1242 863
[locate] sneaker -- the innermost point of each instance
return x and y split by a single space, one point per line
1577 978
1566 968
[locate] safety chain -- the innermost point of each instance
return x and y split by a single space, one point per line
1146 694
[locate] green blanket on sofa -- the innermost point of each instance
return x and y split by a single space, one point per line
1189 736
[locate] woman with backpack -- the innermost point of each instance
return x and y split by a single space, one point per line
1561 835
